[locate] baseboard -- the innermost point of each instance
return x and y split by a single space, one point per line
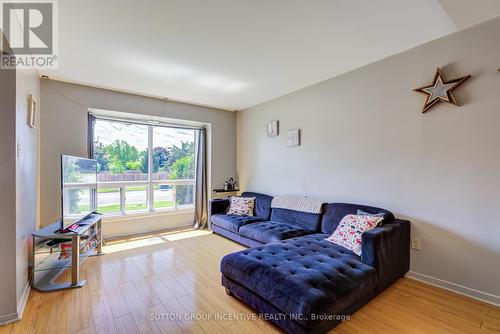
13 317
457 288
8 318
24 300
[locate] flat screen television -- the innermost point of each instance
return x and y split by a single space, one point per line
78 189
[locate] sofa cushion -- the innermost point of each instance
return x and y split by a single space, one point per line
241 206
350 230
308 221
271 231
262 204
334 212
235 237
232 222
302 276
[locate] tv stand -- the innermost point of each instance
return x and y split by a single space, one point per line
69 249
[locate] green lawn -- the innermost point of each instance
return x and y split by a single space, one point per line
115 208
107 190
117 190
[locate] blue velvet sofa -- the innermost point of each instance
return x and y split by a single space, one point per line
296 278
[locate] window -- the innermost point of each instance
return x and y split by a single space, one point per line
108 200
143 168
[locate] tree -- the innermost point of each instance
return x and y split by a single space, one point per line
144 158
165 157
183 168
72 175
161 159
187 148
100 156
122 156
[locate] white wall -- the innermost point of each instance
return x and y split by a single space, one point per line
64 131
364 140
27 138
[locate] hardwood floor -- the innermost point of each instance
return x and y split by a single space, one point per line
179 273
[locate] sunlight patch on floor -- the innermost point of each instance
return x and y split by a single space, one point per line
132 244
186 235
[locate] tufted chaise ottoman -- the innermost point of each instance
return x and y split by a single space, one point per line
307 284
306 279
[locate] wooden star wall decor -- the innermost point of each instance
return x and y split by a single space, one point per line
440 90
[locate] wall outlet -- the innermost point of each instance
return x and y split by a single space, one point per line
416 243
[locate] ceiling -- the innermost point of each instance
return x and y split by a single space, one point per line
234 54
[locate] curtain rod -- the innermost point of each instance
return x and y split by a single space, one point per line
153 123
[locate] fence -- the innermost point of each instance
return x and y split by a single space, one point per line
130 176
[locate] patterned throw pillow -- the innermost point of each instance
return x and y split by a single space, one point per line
241 206
351 227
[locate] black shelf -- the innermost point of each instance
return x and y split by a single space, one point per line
219 191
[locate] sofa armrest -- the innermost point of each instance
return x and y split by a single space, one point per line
216 206
387 249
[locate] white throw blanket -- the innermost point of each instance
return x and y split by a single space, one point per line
297 203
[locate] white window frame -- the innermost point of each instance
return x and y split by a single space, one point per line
150 183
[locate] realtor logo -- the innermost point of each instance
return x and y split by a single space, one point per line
29 27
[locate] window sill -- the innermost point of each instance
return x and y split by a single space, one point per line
142 214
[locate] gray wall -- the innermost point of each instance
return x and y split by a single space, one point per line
8 302
18 184
64 131
364 140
